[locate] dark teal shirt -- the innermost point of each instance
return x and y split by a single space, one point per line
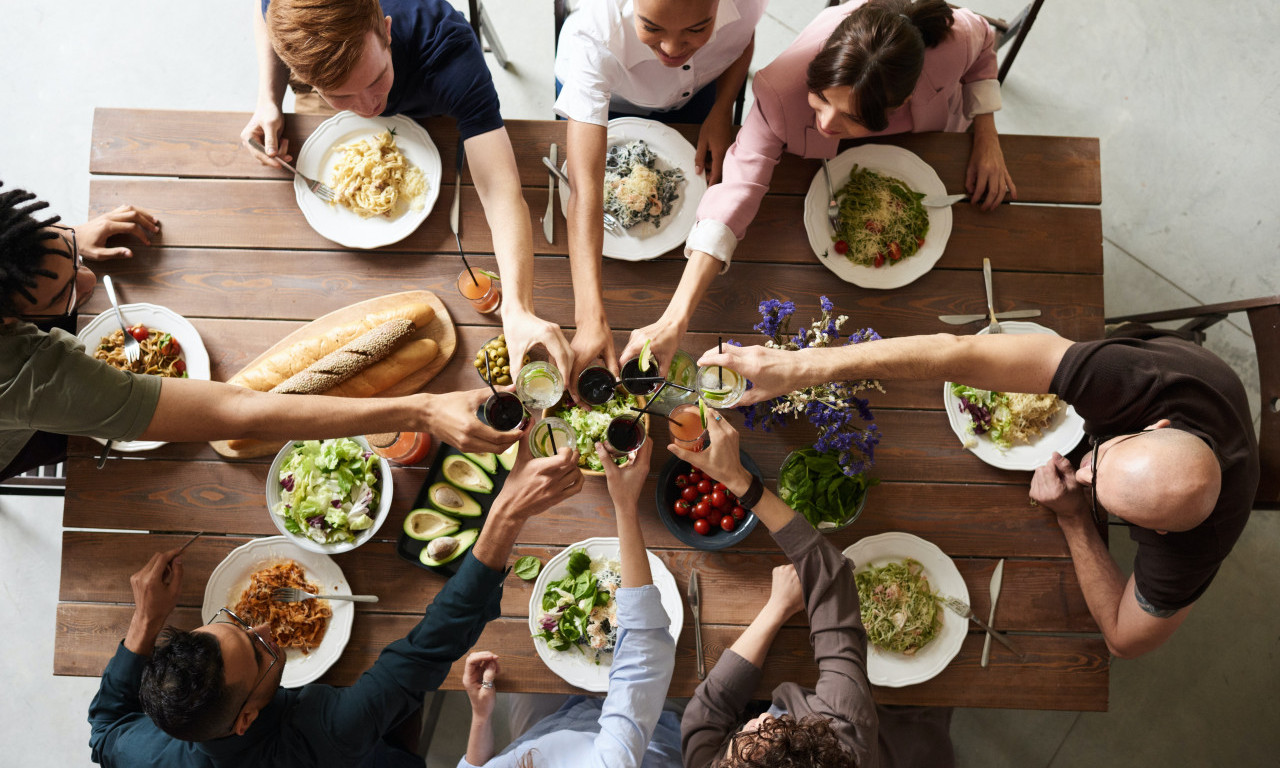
315 725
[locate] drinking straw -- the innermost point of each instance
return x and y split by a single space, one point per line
720 368
668 383
457 182
488 375
464 260
655 413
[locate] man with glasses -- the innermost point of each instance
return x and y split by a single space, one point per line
50 388
212 696
1173 451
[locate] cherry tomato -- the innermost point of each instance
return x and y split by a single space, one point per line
895 251
139 332
719 500
841 247
704 486
720 487
879 260
702 527
919 242
701 509
681 508
727 522
874 226
689 493
180 366
682 481
738 513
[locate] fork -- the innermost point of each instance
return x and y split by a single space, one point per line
962 608
294 595
994 327
319 190
833 207
132 349
610 223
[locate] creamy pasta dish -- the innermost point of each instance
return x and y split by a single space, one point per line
373 178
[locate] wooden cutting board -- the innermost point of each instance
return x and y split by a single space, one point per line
440 328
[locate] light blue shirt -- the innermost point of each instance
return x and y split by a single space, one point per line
627 727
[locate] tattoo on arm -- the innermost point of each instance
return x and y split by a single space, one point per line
1145 605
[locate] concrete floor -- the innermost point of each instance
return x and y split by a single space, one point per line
1187 126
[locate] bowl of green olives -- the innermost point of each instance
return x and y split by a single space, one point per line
499 363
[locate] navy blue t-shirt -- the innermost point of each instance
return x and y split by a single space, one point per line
439 66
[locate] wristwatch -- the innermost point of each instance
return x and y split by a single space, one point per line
754 491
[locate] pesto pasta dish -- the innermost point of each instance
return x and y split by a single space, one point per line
881 220
634 189
899 610
373 178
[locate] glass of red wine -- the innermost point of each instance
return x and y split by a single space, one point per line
504 412
596 385
639 382
625 434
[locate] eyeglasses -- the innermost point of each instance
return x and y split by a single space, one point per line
77 261
253 635
1100 514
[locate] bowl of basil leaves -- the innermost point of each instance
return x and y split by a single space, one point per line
813 484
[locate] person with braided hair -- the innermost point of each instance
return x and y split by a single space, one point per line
49 387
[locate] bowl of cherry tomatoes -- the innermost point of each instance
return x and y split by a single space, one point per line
699 510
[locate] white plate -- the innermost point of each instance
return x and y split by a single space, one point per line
231 577
152 316
1064 433
573 666
896 670
644 240
890 161
337 222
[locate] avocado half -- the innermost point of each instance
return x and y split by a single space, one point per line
428 524
466 474
486 461
440 548
508 457
452 501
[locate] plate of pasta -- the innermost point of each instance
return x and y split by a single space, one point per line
313 633
887 238
650 187
386 172
171 347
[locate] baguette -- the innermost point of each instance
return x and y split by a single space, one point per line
266 373
383 375
349 360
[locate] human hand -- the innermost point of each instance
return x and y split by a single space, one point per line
764 367
714 138
536 485
478 677
525 330
92 236
786 597
593 341
721 459
664 340
1054 487
451 417
265 126
987 180
626 482
155 594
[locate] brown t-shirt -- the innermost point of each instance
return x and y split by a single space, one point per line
1125 384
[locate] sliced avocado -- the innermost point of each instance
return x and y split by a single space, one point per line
428 524
448 548
508 457
452 501
487 461
466 474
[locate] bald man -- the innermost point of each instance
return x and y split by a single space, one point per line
1169 427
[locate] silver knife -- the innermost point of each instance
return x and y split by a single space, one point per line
941 201
1015 314
548 221
996 578
695 607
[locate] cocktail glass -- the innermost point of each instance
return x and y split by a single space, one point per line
721 387
504 412
539 385
685 424
481 290
683 372
548 431
625 434
639 382
596 385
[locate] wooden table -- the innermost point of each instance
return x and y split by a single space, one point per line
240 262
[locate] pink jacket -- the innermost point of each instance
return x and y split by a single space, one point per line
958 82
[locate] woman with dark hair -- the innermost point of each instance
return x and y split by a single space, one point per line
858 70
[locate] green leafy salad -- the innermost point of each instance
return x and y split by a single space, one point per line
814 485
899 611
590 427
579 610
328 490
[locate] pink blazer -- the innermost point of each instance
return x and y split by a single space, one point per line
781 118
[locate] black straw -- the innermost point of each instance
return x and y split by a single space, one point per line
551 435
488 375
464 260
668 382
655 413
720 368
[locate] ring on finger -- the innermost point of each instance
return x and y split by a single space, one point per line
486 684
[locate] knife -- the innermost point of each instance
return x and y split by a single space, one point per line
695 607
996 578
456 210
941 201
1015 314
548 221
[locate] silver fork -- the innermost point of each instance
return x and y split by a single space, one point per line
962 608
833 207
132 349
610 223
994 327
319 190
294 595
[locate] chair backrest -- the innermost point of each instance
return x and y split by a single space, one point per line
1264 323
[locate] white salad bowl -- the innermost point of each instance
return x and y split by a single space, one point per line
384 504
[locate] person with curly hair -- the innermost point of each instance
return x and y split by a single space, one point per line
834 724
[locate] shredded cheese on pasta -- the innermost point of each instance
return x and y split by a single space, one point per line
372 177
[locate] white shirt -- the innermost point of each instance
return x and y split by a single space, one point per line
601 61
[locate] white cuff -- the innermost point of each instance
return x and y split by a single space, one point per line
981 97
713 238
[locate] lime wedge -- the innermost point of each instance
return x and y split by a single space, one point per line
702 412
645 357
493 275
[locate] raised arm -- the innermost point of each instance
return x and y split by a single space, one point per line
497 179
1004 362
717 129
273 76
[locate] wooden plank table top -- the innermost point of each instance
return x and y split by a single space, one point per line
237 258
